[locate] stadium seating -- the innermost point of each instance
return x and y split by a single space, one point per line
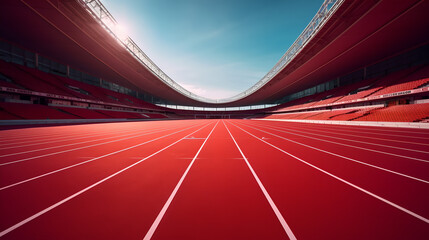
406 79
360 90
4 115
340 114
155 115
118 114
83 113
398 113
33 111
28 81
329 114
408 85
18 76
395 113
299 115
4 83
22 77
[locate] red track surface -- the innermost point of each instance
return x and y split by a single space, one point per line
214 179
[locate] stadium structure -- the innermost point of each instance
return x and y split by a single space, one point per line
97 142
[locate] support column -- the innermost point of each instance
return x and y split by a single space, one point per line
364 73
68 71
36 60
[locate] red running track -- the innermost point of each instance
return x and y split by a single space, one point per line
214 179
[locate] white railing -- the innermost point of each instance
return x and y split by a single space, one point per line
219 109
102 15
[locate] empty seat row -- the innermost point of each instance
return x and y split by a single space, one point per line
21 77
403 80
33 111
399 113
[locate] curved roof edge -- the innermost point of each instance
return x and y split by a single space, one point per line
102 15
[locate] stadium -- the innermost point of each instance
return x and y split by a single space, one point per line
98 142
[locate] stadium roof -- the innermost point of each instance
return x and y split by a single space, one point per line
342 43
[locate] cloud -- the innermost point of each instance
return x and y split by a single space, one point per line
210 92
209 78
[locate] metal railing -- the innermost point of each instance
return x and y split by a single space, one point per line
214 109
102 15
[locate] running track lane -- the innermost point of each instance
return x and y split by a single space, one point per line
396 161
75 220
18 202
418 135
318 205
219 199
314 204
394 148
390 140
408 192
15 174
54 160
32 152
83 138
9 137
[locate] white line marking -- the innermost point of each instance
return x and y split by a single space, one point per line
90 160
347 145
8 230
342 128
73 149
33 137
158 219
352 135
345 139
266 194
344 181
382 129
344 157
66 145
67 138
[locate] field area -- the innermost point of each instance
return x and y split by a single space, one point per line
214 179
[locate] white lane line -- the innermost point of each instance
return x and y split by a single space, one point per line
353 128
90 160
33 139
347 145
65 145
352 135
63 139
346 139
344 157
266 194
8 230
379 129
158 219
65 134
79 148
344 181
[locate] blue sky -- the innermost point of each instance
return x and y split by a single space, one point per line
214 48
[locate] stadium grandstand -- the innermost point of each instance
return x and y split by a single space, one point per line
97 142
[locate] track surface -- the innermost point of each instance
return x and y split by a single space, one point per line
214 179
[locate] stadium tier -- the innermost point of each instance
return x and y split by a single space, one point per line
98 142
57 91
33 111
398 113
323 106
330 105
